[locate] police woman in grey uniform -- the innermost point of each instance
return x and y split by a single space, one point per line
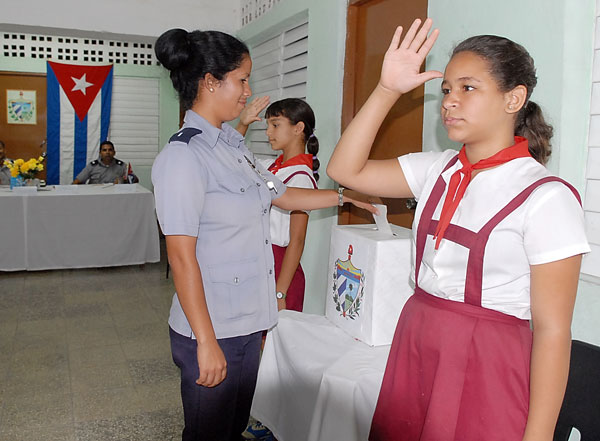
212 202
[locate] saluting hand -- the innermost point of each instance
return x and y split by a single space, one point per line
252 109
400 72
211 364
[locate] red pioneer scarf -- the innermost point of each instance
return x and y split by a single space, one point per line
520 149
302 159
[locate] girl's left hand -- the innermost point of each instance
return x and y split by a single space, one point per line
252 109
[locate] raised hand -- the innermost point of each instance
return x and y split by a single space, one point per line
252 109
400 72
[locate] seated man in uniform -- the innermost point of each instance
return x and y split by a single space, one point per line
4 171
105 170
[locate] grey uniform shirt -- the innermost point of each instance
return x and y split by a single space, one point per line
205 188
4 173
99 173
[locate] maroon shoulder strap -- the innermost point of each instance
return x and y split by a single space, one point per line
427 214
474 277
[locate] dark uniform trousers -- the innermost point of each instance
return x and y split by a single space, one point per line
219 413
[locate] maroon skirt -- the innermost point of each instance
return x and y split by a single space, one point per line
295 294
456 372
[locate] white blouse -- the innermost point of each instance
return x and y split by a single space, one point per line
300 176
548 226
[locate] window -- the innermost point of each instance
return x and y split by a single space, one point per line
280 68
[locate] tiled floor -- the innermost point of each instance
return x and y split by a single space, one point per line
84 355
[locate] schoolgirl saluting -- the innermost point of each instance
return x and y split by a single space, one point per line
290 129
498 242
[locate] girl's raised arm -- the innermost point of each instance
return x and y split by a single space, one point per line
400 73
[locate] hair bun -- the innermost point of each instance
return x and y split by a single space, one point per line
172 49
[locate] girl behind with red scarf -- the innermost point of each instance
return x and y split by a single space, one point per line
497 243
290 129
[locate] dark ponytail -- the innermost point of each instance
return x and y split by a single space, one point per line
531 125
297 110
511 65
189 56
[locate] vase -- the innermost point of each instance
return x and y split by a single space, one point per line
16 182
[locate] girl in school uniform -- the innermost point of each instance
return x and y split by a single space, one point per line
498 242
290 128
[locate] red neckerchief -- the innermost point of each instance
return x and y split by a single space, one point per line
520 149
302 159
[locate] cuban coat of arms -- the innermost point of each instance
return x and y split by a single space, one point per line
348 287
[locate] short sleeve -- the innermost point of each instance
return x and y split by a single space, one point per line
84 174
417 167
179 180
554 225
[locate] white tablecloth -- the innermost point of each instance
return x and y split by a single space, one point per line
77 227
317 383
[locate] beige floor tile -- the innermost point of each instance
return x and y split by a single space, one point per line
48 433
95 356
39 411
93 337
111 376
105 404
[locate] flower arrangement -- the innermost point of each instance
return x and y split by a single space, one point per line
25 169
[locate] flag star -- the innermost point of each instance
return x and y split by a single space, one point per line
81 84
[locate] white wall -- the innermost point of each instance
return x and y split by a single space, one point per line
131 17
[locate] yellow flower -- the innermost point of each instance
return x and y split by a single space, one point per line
40 167
41 159
25 167
19 162
14 172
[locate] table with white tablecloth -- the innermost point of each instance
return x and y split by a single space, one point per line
77 227
317 383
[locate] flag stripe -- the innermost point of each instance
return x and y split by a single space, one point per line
106 93
67 139
93 132
53 129
81 144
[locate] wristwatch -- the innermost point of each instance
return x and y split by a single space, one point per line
341 196
280 295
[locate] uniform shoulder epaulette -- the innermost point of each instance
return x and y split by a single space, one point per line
94 162
119 162
184 135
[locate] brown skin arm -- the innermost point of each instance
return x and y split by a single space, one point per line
553 290
306 199
293 253
190 291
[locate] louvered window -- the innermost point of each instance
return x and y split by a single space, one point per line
591 262
280 71
135 119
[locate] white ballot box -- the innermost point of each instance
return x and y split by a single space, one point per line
368 281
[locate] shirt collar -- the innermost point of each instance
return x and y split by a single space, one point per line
113 161
212 134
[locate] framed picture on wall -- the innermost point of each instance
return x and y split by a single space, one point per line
21 106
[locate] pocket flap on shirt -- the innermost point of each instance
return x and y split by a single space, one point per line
235 184
234 273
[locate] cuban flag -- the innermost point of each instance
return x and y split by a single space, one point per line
78 106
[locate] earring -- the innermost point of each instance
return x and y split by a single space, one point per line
211 89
